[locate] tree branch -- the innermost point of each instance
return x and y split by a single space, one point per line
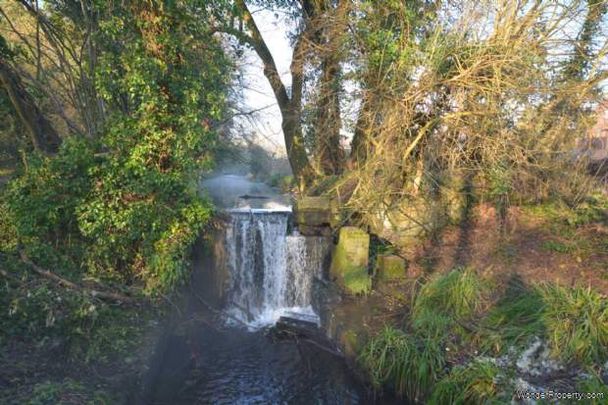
270 68
104 295
43 135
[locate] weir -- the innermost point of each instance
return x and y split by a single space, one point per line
254 269
270 269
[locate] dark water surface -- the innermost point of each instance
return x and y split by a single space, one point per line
233 366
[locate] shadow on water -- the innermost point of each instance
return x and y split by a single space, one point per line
235 366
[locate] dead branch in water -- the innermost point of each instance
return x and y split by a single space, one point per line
217 312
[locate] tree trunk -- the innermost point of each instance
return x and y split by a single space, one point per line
289 107
328 151
44 137
329 26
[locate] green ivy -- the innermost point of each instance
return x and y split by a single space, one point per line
124 208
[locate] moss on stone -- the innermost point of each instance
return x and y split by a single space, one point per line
390 267
350 261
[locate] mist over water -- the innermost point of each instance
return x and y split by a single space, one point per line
230 191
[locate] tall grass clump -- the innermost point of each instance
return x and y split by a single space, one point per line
461 293
576 321
407 363
441 301
515 319
573 320
474 383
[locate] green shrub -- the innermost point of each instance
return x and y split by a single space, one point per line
407 363
513 320
473 383
573 320
125 208
460 293
41 202
576 322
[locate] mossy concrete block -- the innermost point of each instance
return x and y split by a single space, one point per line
350 261
390 267
313 211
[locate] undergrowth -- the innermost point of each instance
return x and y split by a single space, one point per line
407 363
66 392
577 324
77 326
557 213
459 293
454 315
474 383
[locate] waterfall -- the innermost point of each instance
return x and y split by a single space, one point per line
270 272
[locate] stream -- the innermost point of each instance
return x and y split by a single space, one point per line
232 358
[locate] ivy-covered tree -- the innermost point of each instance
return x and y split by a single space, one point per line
124 206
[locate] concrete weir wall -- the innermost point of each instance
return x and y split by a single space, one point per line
343 274
350 261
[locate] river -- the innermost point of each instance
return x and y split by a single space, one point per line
232 358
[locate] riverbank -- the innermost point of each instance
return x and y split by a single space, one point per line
483 314
71 343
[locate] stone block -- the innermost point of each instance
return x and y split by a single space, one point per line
315 211
350 261
390 267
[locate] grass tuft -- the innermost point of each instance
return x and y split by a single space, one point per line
474 383
459 292
515 319
407 363
596 387
576 320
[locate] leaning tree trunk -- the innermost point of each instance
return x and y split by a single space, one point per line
44 137
290 107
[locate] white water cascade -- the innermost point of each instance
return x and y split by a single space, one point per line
271 272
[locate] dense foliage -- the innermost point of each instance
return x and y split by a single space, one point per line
124 206
452 103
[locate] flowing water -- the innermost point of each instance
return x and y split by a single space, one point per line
271 272
233 360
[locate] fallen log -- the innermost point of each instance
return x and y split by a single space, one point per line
104 295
